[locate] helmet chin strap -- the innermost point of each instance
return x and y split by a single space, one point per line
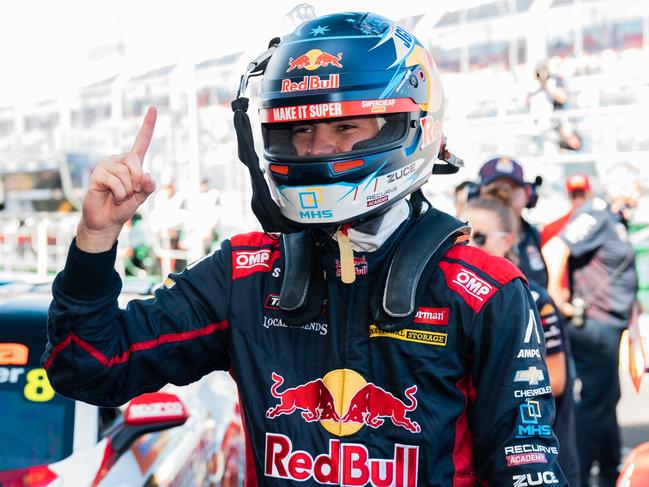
263 205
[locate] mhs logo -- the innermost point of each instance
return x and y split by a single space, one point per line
472 284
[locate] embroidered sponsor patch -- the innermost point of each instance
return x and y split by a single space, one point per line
431 316
473 289
272 301
418 336
247 262
525 459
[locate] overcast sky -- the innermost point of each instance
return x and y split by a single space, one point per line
44 45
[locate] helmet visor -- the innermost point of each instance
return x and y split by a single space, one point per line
315 138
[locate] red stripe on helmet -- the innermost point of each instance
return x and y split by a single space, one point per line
318 111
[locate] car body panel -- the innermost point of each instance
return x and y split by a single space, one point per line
206 450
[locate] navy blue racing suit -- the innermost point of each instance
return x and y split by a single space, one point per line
444 401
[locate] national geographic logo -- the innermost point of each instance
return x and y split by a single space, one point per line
418 336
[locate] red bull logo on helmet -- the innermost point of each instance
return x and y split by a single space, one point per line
310 83
314 59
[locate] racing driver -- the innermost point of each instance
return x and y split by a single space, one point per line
369 347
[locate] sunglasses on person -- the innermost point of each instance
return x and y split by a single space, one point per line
480 238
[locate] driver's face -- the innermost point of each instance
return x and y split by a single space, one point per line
320 138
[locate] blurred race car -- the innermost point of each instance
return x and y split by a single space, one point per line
635 471
181 436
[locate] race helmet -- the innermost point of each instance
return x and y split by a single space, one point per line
336 67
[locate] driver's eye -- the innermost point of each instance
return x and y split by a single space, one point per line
303 129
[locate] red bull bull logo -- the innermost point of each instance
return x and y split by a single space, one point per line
314 59
313 399
343 402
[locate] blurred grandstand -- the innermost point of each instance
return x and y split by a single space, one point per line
486 52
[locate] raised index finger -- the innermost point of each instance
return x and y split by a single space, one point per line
143 139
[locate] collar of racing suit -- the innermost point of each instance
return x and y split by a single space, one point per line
371 234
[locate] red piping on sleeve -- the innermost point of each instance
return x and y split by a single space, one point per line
135 347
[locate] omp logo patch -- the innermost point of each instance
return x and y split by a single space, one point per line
431 316
475 290
249 259
246 262
472 284
418 336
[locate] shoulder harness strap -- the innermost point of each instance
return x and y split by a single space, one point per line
302 291
427 240
415 257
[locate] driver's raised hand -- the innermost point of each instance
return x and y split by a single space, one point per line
116 189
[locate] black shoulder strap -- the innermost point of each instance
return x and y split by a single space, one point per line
424 241
393 304
302 291
394 298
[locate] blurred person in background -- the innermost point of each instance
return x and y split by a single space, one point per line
578 190
139 259
603 285
362 330
495 228
204 213
551 96
168 217
508 172
461 195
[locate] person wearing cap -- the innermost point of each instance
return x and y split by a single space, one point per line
495 226
368 346
578 190
504 170
594 245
